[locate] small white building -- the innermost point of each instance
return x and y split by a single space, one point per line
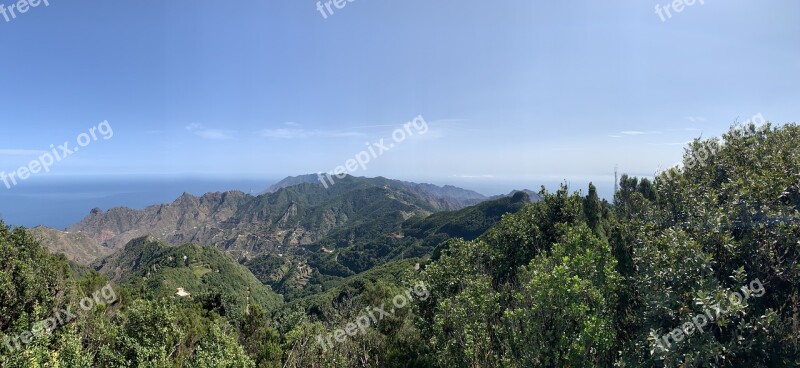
182 293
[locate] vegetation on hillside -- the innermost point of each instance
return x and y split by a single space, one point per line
569 281
155 270
353 249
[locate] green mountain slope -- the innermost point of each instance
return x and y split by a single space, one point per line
157 270
370 243
359 248
273 222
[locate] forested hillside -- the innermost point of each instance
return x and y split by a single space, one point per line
698 267
156 270
354 249
285 217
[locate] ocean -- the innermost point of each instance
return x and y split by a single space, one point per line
59 203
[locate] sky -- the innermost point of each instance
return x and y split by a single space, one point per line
512 93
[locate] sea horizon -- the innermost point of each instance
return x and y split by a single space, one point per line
59 202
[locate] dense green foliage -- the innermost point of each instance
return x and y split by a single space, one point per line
369 244
130 332
364 246
156 270
569 281
539 289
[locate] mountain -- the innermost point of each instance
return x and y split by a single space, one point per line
356 248
292 215
447 191
456 195
535 197
198 216
281 272
409 283
78 247
291 181
206 273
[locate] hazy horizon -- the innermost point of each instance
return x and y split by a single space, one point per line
516 92
131 104
58 202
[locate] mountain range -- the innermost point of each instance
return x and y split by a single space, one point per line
297 211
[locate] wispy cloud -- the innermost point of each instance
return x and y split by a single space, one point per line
212 134
696 119
433 122
20 152
297 133
638 132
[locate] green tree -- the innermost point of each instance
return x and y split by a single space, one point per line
592 209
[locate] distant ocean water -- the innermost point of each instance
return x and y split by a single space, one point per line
491 187
59 203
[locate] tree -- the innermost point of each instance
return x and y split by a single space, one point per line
592 208
563 315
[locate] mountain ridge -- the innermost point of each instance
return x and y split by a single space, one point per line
293 212
290 215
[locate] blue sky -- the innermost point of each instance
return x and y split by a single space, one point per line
515 92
